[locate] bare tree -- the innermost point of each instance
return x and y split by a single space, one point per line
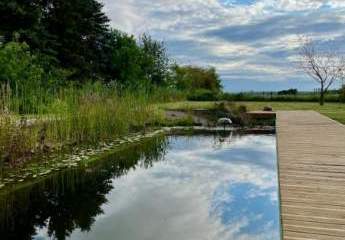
324 66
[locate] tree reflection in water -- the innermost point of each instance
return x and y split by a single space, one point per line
71 199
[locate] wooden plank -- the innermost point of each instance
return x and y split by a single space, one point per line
311 157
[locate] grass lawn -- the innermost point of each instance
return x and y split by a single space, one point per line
335 111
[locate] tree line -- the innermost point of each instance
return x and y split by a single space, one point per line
72 41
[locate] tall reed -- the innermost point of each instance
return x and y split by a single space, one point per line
73 116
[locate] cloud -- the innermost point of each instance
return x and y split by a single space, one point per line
243 38
278 27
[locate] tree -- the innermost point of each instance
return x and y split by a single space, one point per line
20 17
192 78
71 31
123 59
324 66
155 60
79 27
134 64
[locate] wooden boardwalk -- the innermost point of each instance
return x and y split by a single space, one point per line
311 156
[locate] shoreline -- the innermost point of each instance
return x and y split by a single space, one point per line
36 171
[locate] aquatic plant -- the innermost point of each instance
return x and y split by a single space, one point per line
74 116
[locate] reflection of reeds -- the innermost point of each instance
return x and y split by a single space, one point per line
73 196
70 117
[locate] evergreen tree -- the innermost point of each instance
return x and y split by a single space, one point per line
22 17
80 27
71 31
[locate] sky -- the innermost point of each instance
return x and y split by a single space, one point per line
253 44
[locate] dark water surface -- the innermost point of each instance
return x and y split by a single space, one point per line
168 188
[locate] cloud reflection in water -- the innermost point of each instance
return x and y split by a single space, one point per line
200 191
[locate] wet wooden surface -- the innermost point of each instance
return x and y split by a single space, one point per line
311 157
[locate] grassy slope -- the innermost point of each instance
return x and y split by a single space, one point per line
335 111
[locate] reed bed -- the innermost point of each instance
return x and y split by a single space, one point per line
38 123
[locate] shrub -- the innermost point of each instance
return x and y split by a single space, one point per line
191 77
30 80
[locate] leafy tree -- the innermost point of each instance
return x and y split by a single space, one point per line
134 64
19 68
192 78
123 59
155 60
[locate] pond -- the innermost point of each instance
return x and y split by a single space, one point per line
219 187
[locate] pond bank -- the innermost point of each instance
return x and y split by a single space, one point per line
183 121
36 170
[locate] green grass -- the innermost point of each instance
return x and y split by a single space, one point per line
335 111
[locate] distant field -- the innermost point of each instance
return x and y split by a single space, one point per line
335 111
333 97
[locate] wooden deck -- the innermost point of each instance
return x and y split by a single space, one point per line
311 156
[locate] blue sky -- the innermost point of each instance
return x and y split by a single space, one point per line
252 43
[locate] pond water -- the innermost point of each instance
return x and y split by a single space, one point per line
214 187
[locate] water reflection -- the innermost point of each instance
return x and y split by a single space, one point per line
72 199
200 187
